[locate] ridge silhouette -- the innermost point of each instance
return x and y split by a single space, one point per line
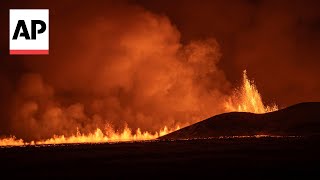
302 119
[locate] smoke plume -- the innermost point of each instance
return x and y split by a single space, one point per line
123 67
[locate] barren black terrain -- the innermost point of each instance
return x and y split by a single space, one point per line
264 157
256 158
298 120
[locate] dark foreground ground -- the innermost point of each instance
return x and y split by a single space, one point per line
258 158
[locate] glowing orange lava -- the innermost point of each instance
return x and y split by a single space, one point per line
11 141
109 136
245 99
248 99
97 137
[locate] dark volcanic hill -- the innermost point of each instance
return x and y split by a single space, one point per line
298 120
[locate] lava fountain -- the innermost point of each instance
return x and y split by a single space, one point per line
248 99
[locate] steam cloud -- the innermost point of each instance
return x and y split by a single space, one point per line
119 69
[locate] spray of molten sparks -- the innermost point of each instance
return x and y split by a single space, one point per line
247 99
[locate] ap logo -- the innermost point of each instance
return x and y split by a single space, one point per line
29 31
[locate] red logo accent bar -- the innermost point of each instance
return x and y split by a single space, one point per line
22 52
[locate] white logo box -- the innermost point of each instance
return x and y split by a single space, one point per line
21 45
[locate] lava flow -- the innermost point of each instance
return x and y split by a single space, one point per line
96 137
245 99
